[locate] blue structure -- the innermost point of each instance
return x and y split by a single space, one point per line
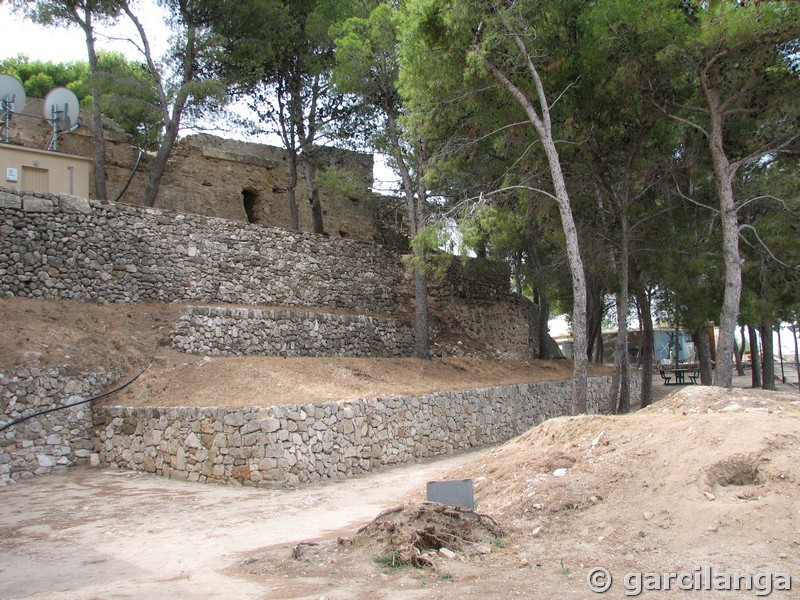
664 344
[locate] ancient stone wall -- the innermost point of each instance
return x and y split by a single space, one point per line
281 332
291 444
53 441
216 177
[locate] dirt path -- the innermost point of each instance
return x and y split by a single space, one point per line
104 534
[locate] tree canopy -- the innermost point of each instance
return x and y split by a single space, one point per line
640 151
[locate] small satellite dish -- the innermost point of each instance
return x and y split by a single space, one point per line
12 100
61 108
12 93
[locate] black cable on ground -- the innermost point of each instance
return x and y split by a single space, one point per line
98 397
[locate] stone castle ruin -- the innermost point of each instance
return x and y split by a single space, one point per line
233 180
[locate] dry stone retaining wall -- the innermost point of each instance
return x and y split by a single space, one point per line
51 442
66 247
55 246
241 331
292 444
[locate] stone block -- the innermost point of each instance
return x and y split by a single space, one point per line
192 441
10 200
234 419
270 425
34 204
75 204
241 472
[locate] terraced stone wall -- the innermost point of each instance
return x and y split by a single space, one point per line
51 442
280 332
292 444
55 246
67 247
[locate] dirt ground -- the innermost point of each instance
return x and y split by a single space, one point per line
127 336
704 478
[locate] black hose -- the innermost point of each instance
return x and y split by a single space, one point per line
133 172
98 397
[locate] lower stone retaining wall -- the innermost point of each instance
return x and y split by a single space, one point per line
236 331
51 442
292 444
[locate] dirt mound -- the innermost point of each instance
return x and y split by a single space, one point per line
705 465
699 399
414 534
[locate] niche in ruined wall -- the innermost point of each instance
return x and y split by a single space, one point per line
253 206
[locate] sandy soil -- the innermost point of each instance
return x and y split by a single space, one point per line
97 534
126 337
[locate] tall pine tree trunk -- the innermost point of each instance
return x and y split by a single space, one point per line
646 349
768 357
97 114
313 195
723 176
755 357
544 299
160 161
737 355
543 126
703 347
422 344
291 191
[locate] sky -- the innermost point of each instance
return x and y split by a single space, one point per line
60 44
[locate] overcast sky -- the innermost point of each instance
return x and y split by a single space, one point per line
61 44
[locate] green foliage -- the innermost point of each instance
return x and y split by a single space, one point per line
40 77
392 561
427 253
367 63
340 182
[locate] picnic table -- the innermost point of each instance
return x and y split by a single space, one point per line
679 373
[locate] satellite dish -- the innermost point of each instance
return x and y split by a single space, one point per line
61 108
12 99
12 93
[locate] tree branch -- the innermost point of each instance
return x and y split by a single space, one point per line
743 203
693 201
774 147
677 118
744 226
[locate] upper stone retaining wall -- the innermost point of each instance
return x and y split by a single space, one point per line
237 331
53 441
292 444
67 247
